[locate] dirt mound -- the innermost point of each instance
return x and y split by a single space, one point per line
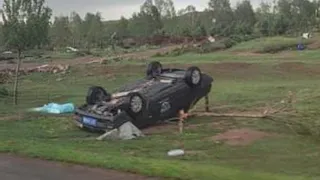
240 137
315 45
161 129
292 65
298 67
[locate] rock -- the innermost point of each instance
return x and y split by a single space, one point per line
127 131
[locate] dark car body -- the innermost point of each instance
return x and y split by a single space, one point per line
160 97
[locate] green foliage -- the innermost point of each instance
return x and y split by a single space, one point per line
159 17
3 92
212 47
26 23
60 32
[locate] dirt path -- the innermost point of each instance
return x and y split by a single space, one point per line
84 60
14 168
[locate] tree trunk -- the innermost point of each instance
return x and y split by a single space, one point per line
15 88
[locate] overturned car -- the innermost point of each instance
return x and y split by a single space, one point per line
157 97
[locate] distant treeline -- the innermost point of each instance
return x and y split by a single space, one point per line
160 18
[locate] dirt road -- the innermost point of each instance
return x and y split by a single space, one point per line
84 60
15 168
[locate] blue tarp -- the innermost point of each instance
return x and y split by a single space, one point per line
54 108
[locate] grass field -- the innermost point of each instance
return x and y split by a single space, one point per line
242 83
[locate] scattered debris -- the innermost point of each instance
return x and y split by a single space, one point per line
4 78
306 35
211 39
49 69
55 69
7 52
71 49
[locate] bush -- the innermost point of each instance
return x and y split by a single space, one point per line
208 47
236 39
211 47
229 43
274 48
3 92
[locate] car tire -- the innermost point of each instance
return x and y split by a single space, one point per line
193 76
97 94
154 69
136 105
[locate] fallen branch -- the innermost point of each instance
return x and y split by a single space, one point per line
211 114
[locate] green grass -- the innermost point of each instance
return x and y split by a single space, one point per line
269 44
236 88
57 139
306 56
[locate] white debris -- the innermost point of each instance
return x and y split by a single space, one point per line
211 39
71 49
7 52
306 35
176 152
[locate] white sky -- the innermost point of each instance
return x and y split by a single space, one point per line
113 9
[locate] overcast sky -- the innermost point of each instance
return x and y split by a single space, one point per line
113 9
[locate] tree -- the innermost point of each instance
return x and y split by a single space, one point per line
245 17
165 8
187 10
21 18
122 27
264 19
304 14
76 28
223 15
93 29
61 35
199 30
37 22
147 22
190 20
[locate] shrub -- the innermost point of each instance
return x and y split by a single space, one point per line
211 47
3 92
229 43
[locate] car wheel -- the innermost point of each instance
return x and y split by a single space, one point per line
136 104
97 94
154 69
193 76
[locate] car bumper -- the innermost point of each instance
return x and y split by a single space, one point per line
94 122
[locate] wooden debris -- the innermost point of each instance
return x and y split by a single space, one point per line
43 69
182 117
